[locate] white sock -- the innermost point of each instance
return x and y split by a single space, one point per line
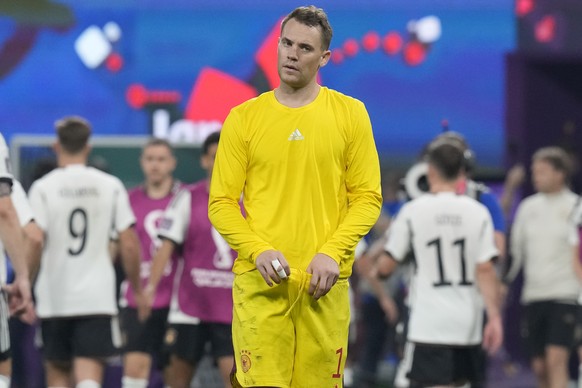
4 381
132 382
88 384
580 376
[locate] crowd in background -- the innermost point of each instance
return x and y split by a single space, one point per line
377 332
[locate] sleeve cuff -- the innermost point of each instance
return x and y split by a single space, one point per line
257 252
331 254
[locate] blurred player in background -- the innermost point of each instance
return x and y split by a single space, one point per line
144 340
574 240
544 242
451 237
481 193
14 298
465 185
478 191
78 208
22 330
201 311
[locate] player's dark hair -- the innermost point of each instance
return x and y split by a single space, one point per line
213 138
73 133
556 157
447 159
452 137
456 139
156 141
313 17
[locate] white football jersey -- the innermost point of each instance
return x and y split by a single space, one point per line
176 316
18 197
177 217
449 235
78 207
5 166
24 212
174 227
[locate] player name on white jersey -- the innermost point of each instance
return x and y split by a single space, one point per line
79 192
449 219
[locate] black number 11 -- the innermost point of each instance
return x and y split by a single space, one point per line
442 278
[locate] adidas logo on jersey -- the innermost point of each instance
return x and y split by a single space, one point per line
295 135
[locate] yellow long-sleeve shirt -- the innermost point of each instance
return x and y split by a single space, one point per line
310 179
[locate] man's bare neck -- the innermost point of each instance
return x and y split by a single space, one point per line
67 160
159 190
296 98
443 187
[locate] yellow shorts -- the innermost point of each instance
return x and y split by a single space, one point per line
284 338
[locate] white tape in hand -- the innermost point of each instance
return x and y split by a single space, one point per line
279 268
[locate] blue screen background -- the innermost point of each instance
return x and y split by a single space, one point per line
165 45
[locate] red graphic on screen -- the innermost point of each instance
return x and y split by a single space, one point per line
114 62
545 29
414 53
266 56
523 7
414 45
392 43
351 47
371 41
214 94
138 96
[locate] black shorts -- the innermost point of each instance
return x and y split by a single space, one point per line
189 341
446 365
145 337
92 336
5 352
549 323
578 329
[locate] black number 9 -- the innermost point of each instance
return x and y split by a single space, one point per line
78 229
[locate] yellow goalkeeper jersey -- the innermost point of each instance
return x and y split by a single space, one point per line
309 176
